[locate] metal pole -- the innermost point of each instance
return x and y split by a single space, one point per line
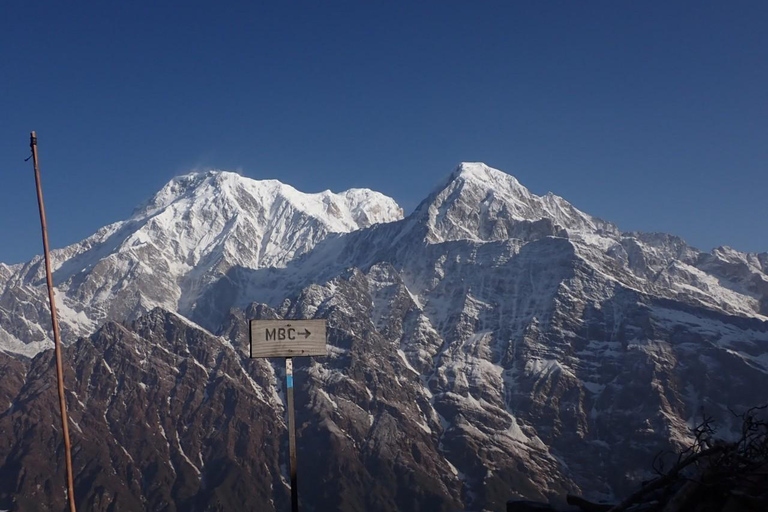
55 322
291 433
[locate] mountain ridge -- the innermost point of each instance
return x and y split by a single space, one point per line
174 244
475 203
480 349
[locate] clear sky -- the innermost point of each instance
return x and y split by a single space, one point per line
651 114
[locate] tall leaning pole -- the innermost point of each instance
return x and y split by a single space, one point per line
55 322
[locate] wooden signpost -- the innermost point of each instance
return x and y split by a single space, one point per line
288 339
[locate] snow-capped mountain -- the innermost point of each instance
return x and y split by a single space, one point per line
483 210
483 204
492 344
190 233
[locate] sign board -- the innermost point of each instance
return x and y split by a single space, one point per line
287 338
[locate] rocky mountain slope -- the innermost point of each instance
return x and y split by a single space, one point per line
492 344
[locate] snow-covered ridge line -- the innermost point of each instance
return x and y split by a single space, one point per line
350 209
184 239
201 236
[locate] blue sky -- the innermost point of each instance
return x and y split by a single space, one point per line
653 115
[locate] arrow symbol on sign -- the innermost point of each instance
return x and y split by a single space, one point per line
306 333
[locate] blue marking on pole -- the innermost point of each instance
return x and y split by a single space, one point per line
289 378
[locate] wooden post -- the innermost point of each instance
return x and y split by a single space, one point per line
289 339
291 433
56 334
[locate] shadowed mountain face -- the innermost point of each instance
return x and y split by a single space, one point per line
163 417
168 417
493 344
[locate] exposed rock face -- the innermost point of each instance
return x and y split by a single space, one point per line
164 416
167 416
493 344
12 374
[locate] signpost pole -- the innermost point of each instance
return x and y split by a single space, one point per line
291 432
289 339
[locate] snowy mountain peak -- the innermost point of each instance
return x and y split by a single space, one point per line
195 230
481 172
187 186
346 211
218 215
479 202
